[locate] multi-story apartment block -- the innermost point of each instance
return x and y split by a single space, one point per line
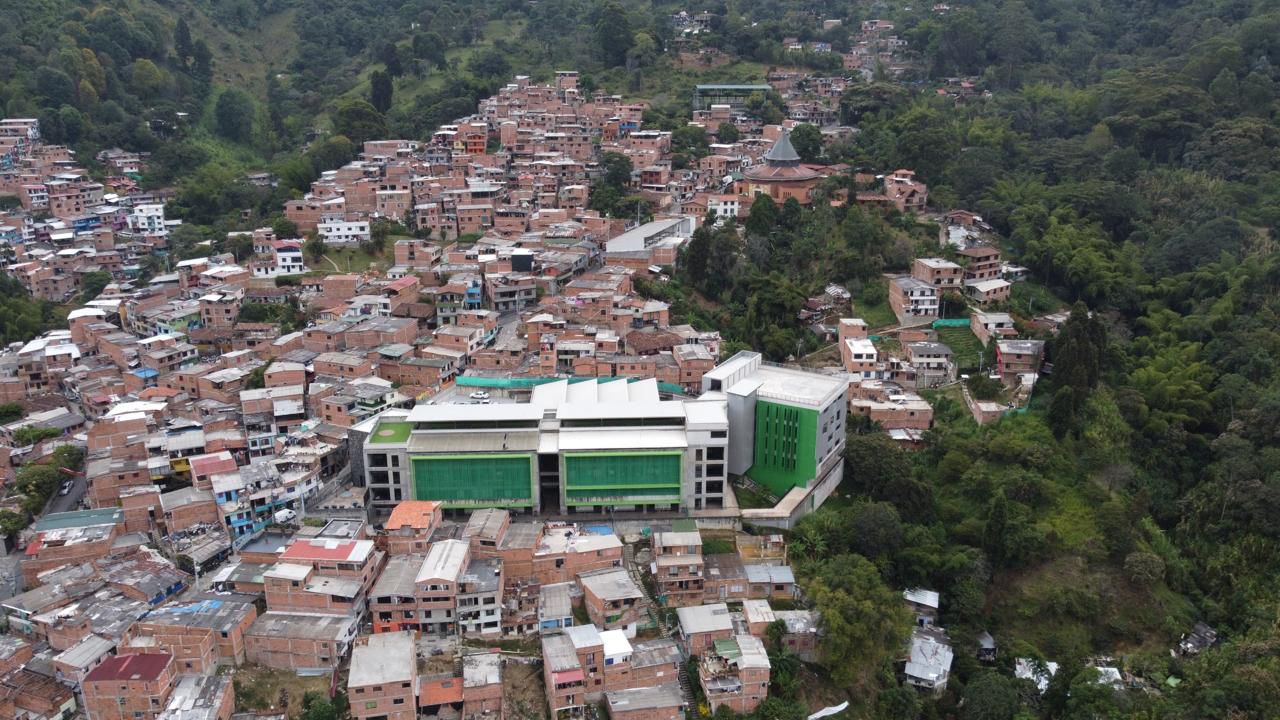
913 300
678 567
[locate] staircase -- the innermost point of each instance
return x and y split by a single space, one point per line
659 619
629 560
686 691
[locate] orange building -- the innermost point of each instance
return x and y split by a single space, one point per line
782 177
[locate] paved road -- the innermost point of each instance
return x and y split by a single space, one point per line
10 575
70 501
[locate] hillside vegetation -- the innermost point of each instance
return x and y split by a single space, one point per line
1127 154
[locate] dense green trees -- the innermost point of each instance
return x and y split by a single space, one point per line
21 317
233 115
865 622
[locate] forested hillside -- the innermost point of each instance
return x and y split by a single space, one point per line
1127 153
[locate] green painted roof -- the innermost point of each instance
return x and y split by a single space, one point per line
388 432
80 518
728 649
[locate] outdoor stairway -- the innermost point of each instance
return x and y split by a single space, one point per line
659 619
686 691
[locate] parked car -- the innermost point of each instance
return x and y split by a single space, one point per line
66 487
480 395
285 516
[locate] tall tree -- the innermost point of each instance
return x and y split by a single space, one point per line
202 61
183 48
233 115
617 169
380 90
614 36
360 121
697 254
390 57
807 140
763 217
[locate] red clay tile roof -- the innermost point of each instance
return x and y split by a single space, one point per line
146 666
212 463
319 550
414 514
441 692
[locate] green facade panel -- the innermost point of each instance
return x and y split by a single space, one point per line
480 480
786 450
636 477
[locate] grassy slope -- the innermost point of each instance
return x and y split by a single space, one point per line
963 343
240 57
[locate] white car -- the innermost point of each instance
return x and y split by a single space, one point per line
66 487
480 395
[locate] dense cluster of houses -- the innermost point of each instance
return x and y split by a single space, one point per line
208 432
112 626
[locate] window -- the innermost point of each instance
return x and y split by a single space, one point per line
398 701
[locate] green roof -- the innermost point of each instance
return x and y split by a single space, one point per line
728 649
388 432
80 518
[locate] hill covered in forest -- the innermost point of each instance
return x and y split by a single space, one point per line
1125 152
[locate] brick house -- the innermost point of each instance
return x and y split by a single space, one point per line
420 591
986 326
612 599
933 363
70 538
660 702
343 365
677 567
481 685
988 291
982 262
1016 357
409 528
383 681
300 641
939 273
129 687
199 634
29 694
562 675
734 672
702 625
911 298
